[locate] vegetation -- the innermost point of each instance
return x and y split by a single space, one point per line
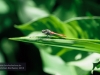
23 21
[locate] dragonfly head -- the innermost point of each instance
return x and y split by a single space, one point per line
46 31
43 31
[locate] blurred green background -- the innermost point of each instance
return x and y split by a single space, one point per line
18 12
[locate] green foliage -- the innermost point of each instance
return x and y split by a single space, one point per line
78 44
70 56
73 29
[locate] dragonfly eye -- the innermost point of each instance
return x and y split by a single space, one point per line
43 31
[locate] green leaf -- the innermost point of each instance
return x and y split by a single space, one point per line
78 44
82 27
58 66
3 7
50 22
79 27
85 27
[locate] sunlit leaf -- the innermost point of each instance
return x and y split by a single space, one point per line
85 45
58 66
73 29
3 7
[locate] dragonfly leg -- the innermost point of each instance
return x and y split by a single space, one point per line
48 36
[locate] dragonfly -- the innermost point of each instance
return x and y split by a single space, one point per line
51 33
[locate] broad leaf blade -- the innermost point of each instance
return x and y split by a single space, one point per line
84 45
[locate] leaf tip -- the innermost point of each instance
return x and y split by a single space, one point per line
16 26
11 38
